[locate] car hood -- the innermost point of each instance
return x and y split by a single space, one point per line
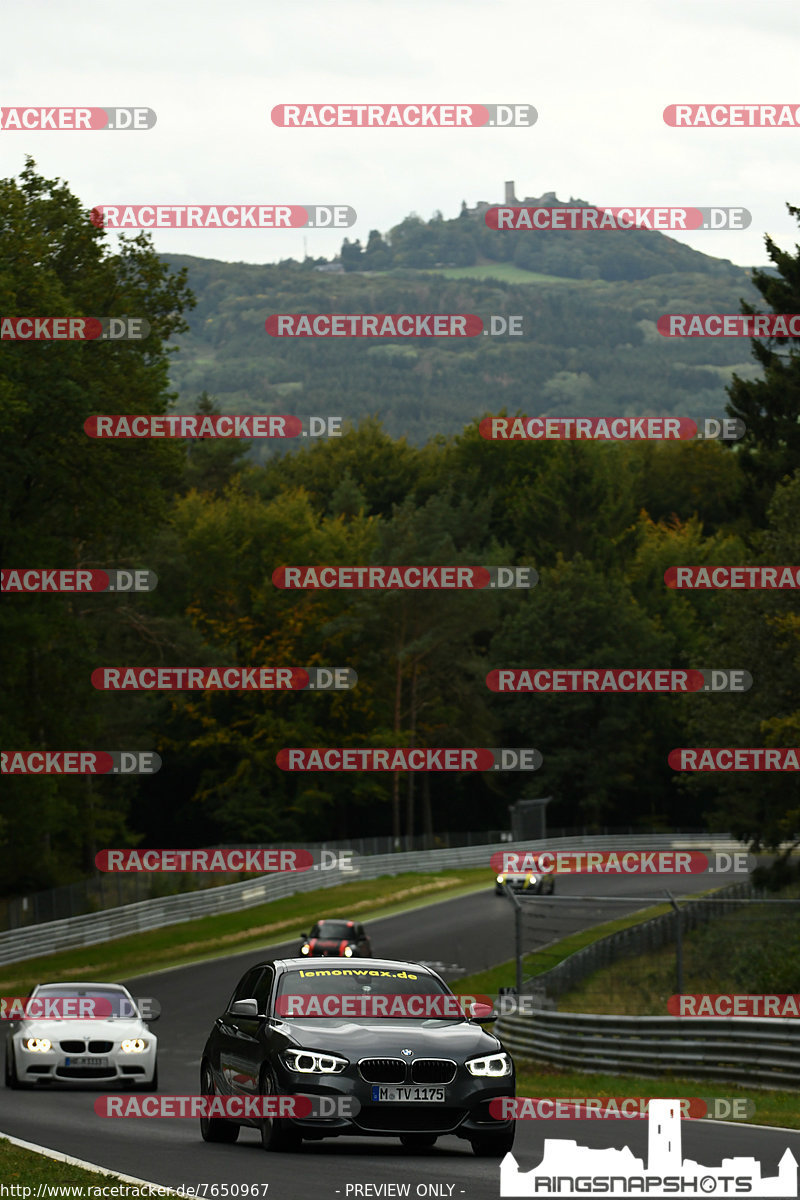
384 1037
62 1031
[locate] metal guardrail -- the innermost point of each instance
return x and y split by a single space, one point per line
17 945
763 1053
638 939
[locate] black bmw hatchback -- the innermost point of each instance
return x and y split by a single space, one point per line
385 1042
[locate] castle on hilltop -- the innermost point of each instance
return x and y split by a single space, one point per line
546 201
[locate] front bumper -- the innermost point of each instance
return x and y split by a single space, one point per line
56 1066
464 1113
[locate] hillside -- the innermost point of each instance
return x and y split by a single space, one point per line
590 345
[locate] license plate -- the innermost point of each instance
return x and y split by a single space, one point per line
414 1095
85 1062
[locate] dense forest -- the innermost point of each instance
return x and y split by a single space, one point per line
599 522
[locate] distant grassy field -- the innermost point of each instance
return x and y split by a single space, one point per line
505 272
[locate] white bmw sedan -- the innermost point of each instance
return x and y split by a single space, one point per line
56 1042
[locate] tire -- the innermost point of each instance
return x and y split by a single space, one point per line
152 1086
214 1129
493 1145
277 1134
12 1080
418 1141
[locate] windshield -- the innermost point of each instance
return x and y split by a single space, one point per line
121 1004
333 929
364 993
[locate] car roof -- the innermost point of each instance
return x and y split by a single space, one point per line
343 920
82 983
375 964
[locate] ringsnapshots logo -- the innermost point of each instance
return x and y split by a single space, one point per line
689 578
399 758
212 425
392 325
231 679
735 758
727 116
658 680
27 119
403 116
610 429
73 329
741 325
584 217
567 1169
223 216
79 762
429 578
36 579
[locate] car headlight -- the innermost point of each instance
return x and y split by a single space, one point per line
493 1065
42 1045
304 949
314 1062
348 951
501 878
133 1045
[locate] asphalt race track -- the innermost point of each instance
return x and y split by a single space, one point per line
473 931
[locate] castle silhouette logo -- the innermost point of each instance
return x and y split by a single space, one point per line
568 1169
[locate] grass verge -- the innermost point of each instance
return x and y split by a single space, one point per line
27 1169
232 933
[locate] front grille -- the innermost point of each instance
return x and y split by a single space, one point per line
73 1047
86 1072
382 1070
402 1118
100 1047
433 1070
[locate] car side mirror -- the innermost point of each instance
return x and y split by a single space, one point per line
244 1008
482 1012
303 937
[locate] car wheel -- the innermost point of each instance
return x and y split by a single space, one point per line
152 1086
214 1129
12 1080
493 1145
276 1133
418 1141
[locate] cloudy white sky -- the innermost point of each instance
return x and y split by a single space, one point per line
599 72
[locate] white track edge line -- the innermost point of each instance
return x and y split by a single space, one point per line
87 1166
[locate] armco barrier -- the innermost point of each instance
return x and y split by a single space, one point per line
637 939
16 945
754 1052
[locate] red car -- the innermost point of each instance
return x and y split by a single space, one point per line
336 939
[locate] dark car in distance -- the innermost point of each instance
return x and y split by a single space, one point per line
336 938
412 1077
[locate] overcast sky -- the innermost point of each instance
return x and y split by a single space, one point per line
599 73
